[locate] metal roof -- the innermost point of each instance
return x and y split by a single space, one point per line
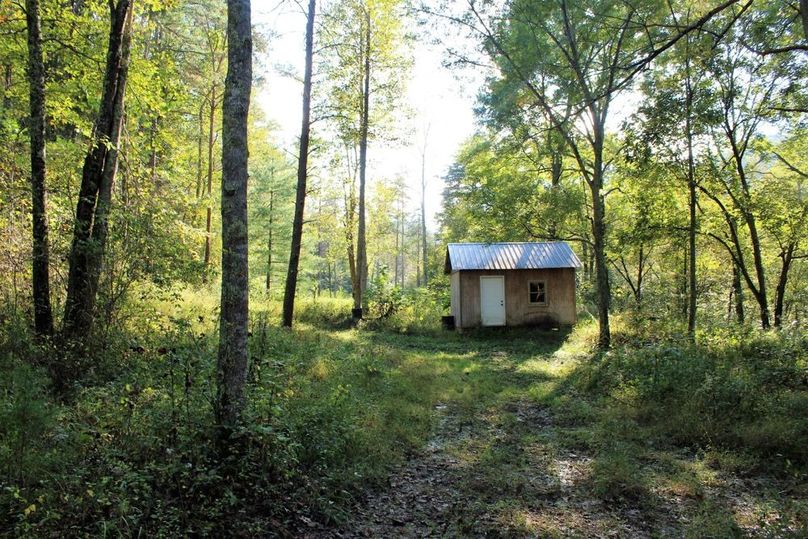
509 256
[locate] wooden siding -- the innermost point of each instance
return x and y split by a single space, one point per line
560 289
456 300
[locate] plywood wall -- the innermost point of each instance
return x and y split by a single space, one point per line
456 300
519 311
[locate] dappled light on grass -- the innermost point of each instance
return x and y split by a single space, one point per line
514 432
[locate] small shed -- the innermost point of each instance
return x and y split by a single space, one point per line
512 284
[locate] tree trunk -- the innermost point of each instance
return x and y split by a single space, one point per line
737 287
786 257
556 169
232 359
424 254
403 261
43 316
685 277
692 203
599 236
211 144
744 206
302 175
98 173
760 295
640 276
585 256
350 208
424 249
153 152
199 143
269 242
361 248
399 250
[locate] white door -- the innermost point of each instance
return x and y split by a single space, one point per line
492 300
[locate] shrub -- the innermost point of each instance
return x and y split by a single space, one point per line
735 389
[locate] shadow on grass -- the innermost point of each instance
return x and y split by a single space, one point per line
541 449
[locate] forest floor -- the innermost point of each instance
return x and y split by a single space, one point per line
515 452
399 429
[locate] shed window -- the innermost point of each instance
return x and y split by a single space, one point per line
538 292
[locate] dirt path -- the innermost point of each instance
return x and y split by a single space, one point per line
456 487
424 494
500 464
440 493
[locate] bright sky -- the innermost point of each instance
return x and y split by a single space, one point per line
439 99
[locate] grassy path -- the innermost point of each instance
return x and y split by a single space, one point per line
517 451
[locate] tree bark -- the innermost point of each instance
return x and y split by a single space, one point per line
350 210
211 144
361 247
599 236
233 354
743 203
737 287
302 175
685 277
43 316
199 143
98 174
692 204
786 257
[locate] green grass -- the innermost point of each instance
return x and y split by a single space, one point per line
548 439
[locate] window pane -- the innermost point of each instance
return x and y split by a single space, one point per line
537 292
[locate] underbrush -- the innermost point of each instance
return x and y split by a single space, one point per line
131 448
737 394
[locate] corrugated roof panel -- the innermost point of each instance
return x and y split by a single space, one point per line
512 255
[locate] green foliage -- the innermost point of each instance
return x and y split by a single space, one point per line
739 389
134 450
617 474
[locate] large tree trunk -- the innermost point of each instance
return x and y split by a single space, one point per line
599 236
361 247
692 204
43 316
232 360
302 176
98 174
